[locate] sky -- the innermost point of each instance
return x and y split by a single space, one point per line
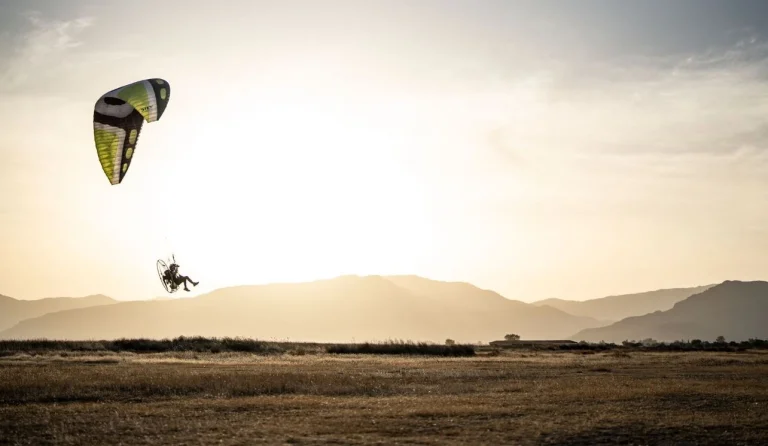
537 148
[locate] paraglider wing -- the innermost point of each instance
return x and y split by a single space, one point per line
117 119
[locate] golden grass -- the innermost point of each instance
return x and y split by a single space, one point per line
514 397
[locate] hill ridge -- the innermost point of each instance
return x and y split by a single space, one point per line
336 309
619 306
734 308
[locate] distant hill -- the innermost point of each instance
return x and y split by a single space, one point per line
734 309
616 308
13 311
342 309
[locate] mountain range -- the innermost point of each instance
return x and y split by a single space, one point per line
342 309
616 308
13 311
370 308
733 309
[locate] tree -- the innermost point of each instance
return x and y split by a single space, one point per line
720 340
450 342
512 337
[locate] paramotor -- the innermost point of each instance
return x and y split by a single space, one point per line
166 278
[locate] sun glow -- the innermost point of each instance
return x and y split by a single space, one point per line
284 188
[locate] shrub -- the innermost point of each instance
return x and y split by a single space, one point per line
144 345
403 348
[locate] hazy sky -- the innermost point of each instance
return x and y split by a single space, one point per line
537 148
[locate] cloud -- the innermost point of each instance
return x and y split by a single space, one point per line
709 104
678 138
41 49
503 148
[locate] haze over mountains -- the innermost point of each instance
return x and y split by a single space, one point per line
13 311
369 308
734 309
616 308
341 309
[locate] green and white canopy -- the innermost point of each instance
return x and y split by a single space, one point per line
117 119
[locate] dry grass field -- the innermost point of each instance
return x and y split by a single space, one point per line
312 397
